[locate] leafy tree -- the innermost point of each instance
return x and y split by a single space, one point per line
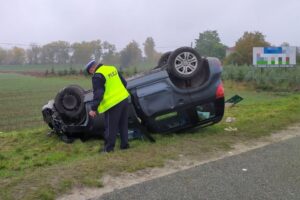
48 54
8 59
14 56
18 56
109 54
34 54
3 54
84 51
234 59
209 44
149 49
131 54
52 53
97 49
61 51
298 56
244 45
285 44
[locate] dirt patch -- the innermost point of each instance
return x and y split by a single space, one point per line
26 73
112 183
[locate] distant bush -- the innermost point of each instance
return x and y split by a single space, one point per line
276 79
46 72
72 71
52 71
64 72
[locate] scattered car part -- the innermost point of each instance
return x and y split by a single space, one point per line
233 100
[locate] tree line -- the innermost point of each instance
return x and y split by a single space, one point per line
62 52
208 43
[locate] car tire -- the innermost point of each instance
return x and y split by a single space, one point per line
70 102
184 63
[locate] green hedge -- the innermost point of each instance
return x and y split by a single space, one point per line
275 79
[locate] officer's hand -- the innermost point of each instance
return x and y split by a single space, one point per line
92 113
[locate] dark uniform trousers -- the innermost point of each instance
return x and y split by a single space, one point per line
116 120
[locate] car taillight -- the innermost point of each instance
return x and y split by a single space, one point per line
220 91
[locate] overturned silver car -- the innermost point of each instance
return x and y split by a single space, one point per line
184 91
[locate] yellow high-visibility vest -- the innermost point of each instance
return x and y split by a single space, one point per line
115 92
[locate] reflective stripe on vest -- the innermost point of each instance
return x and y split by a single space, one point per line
115 92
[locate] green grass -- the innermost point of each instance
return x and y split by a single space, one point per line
35 166
22 98
269 111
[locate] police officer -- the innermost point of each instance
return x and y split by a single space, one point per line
110 98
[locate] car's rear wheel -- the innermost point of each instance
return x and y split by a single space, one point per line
70 103
187 69
184 63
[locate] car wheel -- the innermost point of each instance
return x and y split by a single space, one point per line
163 60
70 102
184 63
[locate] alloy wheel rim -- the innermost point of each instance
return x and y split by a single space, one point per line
186 63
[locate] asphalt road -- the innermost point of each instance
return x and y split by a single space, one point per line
271 172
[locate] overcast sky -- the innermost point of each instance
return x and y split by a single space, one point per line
172 23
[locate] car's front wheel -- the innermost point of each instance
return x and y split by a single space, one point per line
70 103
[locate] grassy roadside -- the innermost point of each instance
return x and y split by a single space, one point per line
34 166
